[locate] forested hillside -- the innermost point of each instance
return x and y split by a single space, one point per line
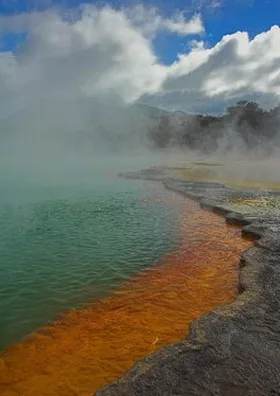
246 124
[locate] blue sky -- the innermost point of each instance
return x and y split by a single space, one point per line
228 16
161 65
251 16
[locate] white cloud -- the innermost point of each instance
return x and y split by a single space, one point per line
181 26
108 53
150 21
7 68
234 67
99 53
216 4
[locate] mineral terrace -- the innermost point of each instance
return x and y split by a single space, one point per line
234 350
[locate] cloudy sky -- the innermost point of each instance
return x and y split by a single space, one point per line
192 55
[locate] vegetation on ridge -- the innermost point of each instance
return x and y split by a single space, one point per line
245 125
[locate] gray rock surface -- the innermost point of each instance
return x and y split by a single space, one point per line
234 350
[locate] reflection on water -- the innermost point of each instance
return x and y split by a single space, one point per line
90 347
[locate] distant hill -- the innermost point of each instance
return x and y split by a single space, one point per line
80 124
88 125
245 126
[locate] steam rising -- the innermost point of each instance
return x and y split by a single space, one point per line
70 91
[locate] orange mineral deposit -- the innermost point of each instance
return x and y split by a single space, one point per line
91 347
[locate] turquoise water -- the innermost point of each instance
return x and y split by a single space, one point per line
70 238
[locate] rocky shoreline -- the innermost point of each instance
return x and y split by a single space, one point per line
235 349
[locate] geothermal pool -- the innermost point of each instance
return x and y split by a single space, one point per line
67 240
139 261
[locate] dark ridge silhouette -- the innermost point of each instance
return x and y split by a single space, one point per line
81 125
246 124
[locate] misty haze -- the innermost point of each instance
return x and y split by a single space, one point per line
140 203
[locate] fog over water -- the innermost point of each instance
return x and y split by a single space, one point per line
70 229
73 114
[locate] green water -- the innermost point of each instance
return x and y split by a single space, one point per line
67 240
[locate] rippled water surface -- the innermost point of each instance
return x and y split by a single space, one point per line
67 240
88 348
